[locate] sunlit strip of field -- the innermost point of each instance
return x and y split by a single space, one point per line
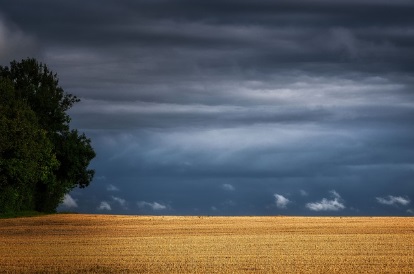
119 244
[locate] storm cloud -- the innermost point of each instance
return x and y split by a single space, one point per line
214 107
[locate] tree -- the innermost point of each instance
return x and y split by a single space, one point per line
41 158
26 154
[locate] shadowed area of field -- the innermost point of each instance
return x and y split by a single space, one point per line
112 244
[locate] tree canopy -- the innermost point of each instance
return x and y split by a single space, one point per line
41 158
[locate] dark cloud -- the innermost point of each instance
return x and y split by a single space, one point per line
233 107
14 42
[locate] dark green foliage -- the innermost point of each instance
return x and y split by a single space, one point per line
41 159
26 154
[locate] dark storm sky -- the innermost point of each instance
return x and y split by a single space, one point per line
233 107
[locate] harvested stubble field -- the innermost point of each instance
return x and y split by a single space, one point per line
146 244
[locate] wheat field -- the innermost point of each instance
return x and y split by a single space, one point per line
78 243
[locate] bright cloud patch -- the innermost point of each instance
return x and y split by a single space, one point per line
104 206
327 205
153 206
68 201
281 201
393 200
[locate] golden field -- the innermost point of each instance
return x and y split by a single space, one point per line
146 244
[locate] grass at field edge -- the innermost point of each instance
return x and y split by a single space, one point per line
22 214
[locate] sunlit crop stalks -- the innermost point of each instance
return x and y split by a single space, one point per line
115 244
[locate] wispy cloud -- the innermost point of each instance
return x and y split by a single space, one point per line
303 192
111 187
228 187
120 201
104 206
69 202
393 200
335 194
325 204
281 201
229 203
153 205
